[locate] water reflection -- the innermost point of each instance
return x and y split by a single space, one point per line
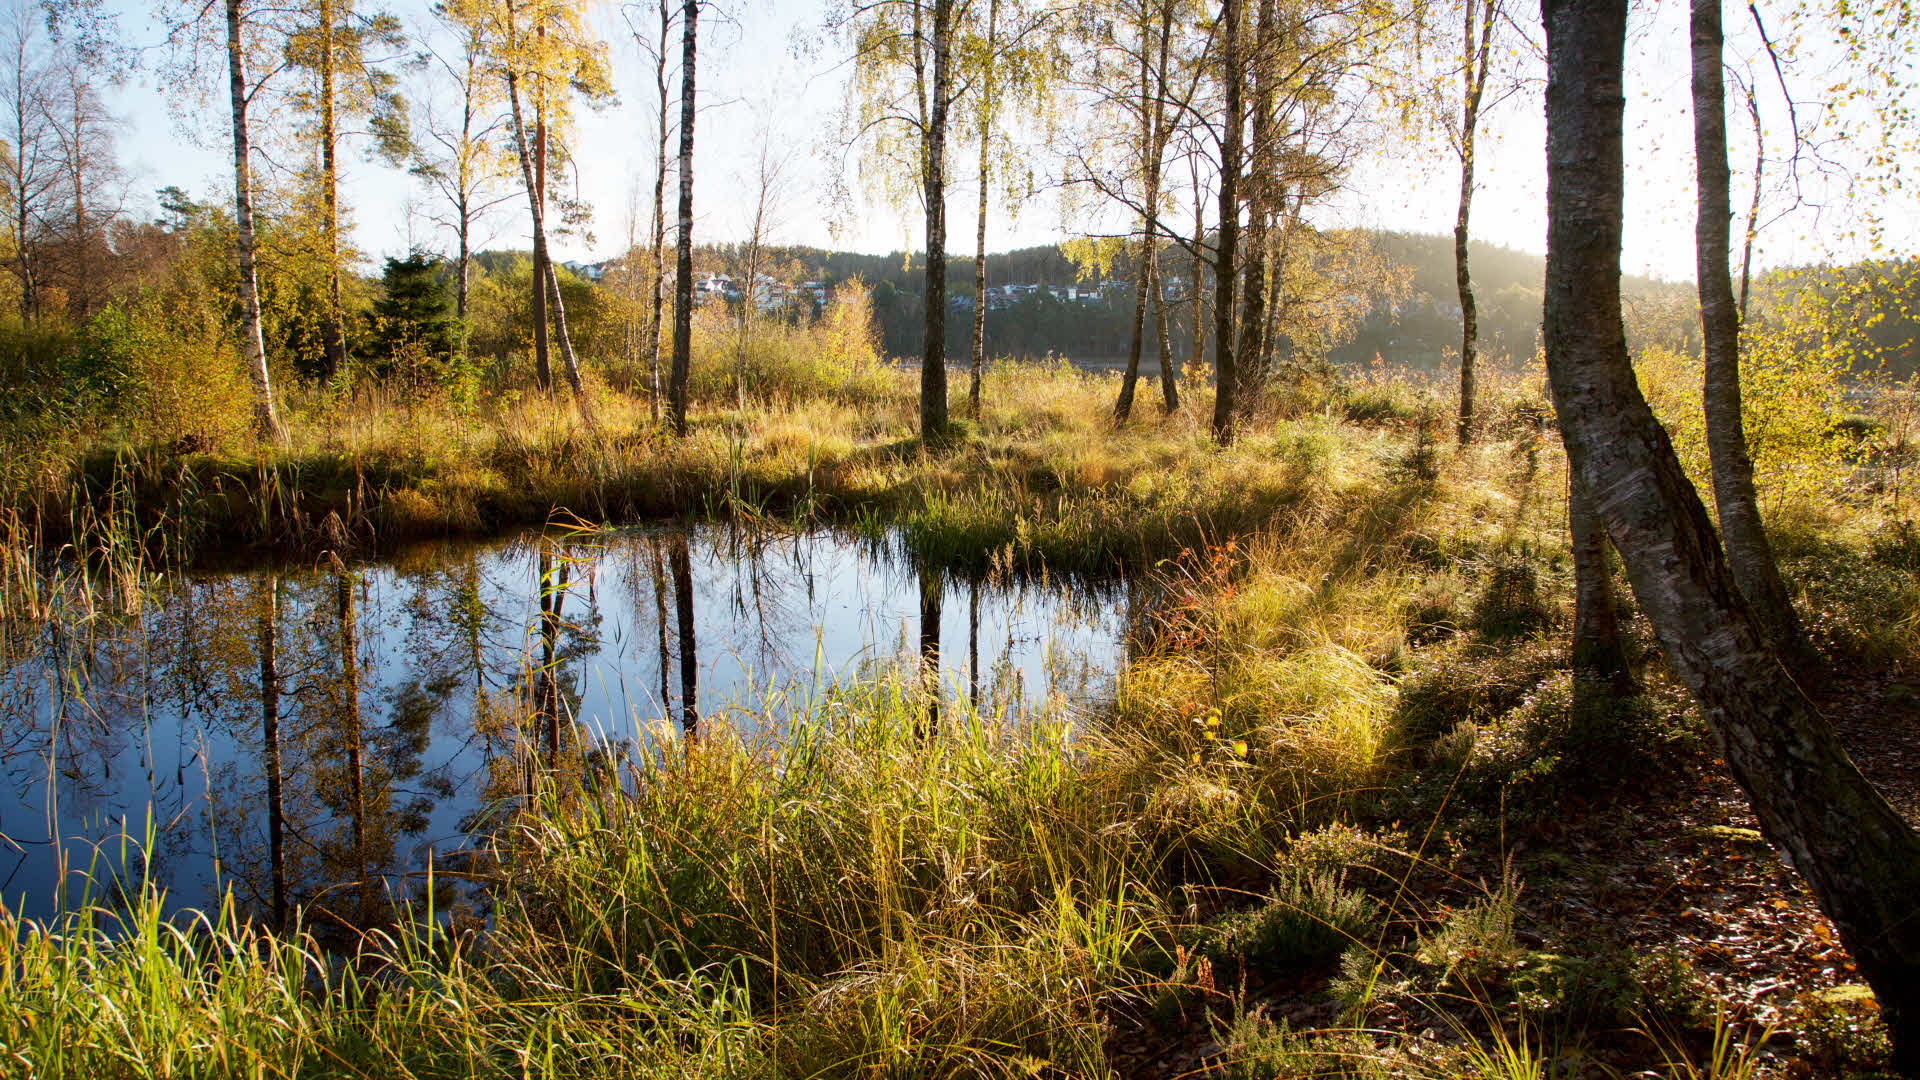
313 739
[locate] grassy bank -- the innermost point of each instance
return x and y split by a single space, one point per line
1288 850
1041 476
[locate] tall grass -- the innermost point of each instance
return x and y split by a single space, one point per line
861 890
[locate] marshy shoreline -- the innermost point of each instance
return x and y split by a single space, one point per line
1341 819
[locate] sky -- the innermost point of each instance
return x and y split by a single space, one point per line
767 73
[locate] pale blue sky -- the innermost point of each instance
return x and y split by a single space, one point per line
750 68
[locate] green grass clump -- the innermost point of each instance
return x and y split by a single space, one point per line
132 994
1257 1047
1307 923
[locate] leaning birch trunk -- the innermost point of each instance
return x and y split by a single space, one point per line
1859 856
568 361
683 268
543 266
543 373
1745 536
1224 375
266 420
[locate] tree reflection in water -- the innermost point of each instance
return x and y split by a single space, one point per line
312 739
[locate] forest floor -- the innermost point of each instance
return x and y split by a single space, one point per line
1677 868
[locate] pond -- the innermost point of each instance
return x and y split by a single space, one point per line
302 735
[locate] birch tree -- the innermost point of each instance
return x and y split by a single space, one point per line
654 41
1859 855
1476 54
1749 554
243 34
903 92
266 420
683 257
1231 70
546 55
1153 56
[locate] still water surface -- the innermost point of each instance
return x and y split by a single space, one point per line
381 716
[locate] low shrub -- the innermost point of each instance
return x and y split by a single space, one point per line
1474 946
1307 923
1842 1033
1255 1047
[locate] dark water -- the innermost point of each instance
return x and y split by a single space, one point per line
316 738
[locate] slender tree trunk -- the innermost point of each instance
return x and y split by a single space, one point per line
461 269
333 343
25 98
266 420
973 643
932 592
683 270
546 280
1741 530
1199 287
542 369
83 259
659 217
1276 267
987 113
1859 856
465 202
660 620
1753 207
1600 670
1169 379
1475 82
537 195
933 363
1225 378
1123 406
268 635
1253 300
355 739
689 652
569 361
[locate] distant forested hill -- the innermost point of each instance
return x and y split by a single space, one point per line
1874 308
